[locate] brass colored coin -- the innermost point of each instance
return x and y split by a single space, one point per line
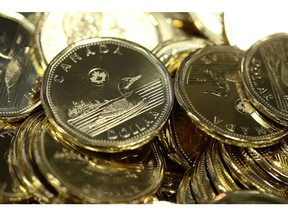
209 88
244 168
173 52
10 189
20 76
264 76
200 183
107 107
184 192
247 197
218 173
112 178
23 166
258 24
210 24
273 160
58 30
183 140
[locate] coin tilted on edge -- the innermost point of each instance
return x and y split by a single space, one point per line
107 94
20 74
265 77
209 88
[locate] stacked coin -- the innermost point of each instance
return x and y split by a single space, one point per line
140 108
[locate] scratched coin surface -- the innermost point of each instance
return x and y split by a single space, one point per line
123 177
107 94
19 73
265 77
209 88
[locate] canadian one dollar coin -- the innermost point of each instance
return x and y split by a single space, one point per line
107 94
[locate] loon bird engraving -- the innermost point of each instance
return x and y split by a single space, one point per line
122 105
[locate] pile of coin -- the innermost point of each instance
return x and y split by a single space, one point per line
140 108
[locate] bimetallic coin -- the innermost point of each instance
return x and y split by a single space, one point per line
58 30
19 75
99 178
210 24
102 106
247 197
265 76
10 190
209 88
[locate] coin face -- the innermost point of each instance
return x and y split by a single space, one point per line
58 30
99 178
19 79
209 88
107 94
265 78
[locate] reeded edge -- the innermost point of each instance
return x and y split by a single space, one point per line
252 96
97 145
225 138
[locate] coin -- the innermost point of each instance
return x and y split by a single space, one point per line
210 24
22 162
20 76
259 25
58 30
173 52
247 197
209 88
218 173
272 159
243 168
200 183
99 178
107 107
10 189
184 192
264 76
182 139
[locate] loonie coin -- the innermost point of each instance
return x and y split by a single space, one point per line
184 192
210 24
264 76
273 160
22 162
20 76
247 197
58 30
102 106
97 178
218 173
182 140
243 168
209 88
173 52
10 189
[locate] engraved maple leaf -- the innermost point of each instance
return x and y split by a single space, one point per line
98 77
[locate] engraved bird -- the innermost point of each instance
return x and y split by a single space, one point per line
122 105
